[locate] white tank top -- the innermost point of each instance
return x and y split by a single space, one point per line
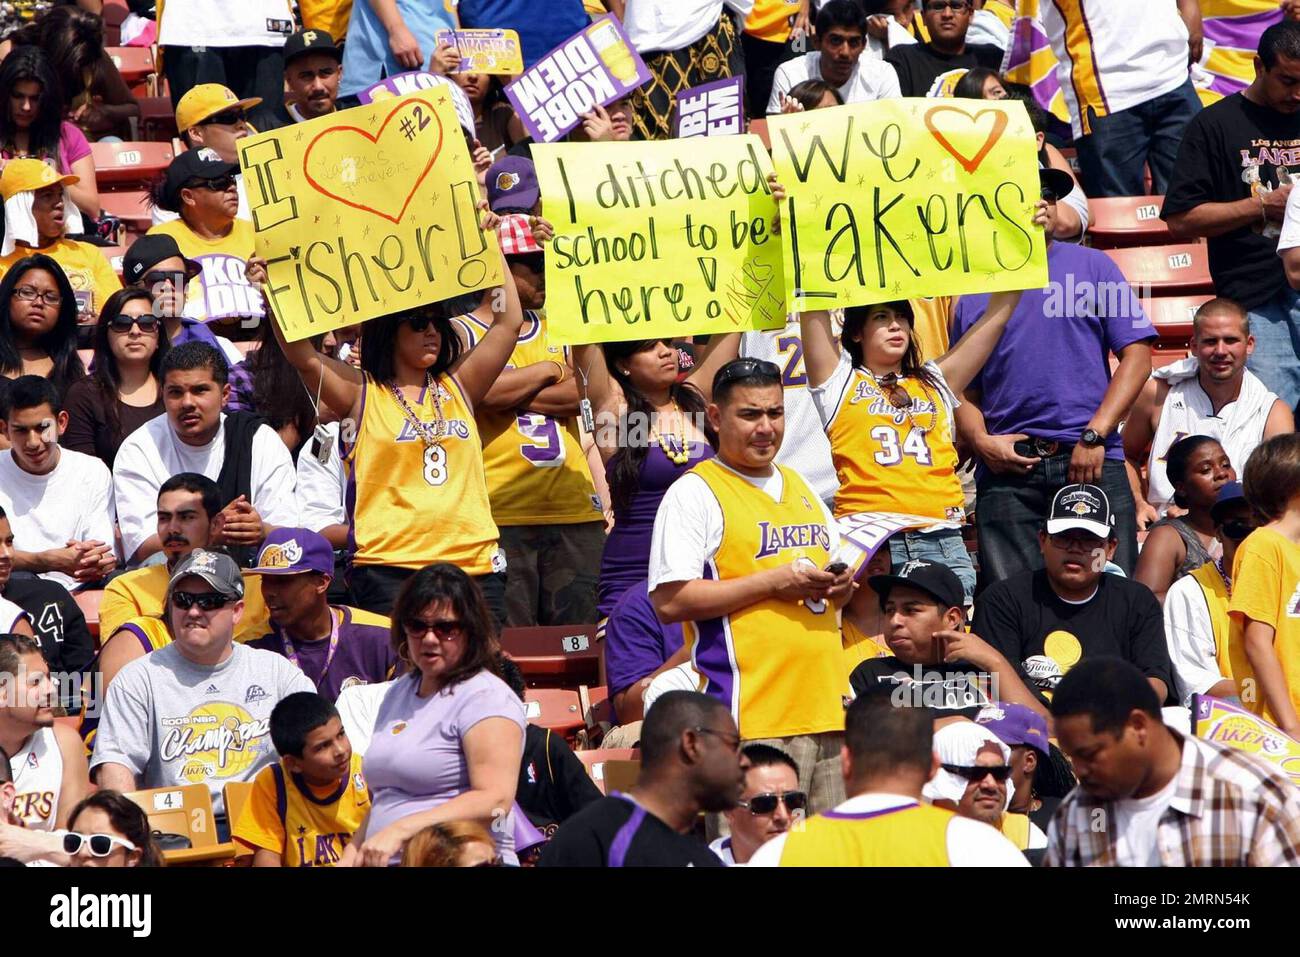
1187 410
38 776
804 447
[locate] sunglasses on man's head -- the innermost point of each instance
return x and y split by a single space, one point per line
101 845
1000 772
744 368
766 803
225 118
207 601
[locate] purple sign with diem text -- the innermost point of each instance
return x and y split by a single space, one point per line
592 68
711 109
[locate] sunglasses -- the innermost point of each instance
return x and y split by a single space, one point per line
445 630
418 323
1074 543
940 5
1237 529
158 278
226 118
207 601
744 368
1000 772
123 323
101 845
893 391
766 803
218 185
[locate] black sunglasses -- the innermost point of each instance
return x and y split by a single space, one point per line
218 185
1000 772
225 118
157 277
766 803
123 323
418 323
1237 529
744 368
207 601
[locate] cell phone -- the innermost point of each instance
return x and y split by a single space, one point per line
836 568
1025 449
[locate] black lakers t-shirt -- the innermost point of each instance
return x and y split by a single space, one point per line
1234 150
1044 636
953 687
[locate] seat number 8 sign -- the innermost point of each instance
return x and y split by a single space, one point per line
573 643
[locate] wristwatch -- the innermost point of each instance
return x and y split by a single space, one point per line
1092 438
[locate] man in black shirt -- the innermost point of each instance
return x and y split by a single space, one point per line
312 71
1046 621
921 65
936 663
690 762
1230 184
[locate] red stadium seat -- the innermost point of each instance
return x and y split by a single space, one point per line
1163 357
1172 316
136 64
1181 268
88 602
1127 221
122 164
618 760
554 655
157 118
554 708
759 128
597 714
131 206
113 14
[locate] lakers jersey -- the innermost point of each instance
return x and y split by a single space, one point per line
151 632
778 665
914 835
285 814
537 473
859 646
38 776
890 459
408 504
1229 641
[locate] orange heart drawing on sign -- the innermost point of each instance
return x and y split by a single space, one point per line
970 164
333 162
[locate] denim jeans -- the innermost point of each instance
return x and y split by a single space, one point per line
1011 509
1276 328
943 547
1112 155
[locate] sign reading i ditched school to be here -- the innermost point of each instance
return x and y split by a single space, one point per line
656 239
908 197
367 212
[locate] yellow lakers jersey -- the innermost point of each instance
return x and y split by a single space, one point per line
914 835
1015 828
537 473
408 504
151 632
1229 641
778 665
859 646
888 461
309 830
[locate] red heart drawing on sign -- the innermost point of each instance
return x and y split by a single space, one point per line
970 164
334 154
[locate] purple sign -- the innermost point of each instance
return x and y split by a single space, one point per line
592 68
712 109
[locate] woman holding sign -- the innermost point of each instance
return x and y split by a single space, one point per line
889 419
416 491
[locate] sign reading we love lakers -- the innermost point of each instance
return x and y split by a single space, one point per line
907 197
363 213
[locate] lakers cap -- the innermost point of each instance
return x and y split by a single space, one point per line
1081 506
292 551
209 99
216 568
29 175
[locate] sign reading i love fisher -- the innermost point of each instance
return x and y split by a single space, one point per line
367 212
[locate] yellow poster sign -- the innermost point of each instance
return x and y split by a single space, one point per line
908 197
367 212
658 239
1216 720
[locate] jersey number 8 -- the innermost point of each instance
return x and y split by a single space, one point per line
435 465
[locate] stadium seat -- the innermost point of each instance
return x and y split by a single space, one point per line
554 655
157 118
1127 221
185 810
122 164
1181 268
130 206
1163 357
88 602
554 708
597 714
1172 316
759 128
113 14
136 64
613 767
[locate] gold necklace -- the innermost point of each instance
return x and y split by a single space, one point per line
678 455
890 381
431 434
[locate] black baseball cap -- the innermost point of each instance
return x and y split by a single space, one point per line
938 581
311 41
202 163
149 250
1057 181
1081 506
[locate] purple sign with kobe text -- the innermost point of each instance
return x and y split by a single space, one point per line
592 68
711 109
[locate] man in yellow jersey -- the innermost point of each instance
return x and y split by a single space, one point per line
543 501
887 759
1205 642
740 555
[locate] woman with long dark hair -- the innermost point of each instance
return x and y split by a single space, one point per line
650 430
495 122
125 390
450 709
417 489
108 829
889 418
980 83
38 323
32 124
1197 467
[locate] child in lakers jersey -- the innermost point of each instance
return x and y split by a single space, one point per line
304 810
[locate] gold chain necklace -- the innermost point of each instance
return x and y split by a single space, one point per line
431 434
891 381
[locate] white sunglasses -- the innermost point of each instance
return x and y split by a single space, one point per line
101 845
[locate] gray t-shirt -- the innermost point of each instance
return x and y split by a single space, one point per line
173 722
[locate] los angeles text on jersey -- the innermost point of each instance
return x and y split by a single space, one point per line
777 538
77 910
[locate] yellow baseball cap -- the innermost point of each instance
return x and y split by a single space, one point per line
208 99
29 175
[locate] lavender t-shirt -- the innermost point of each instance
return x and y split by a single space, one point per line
1049 372
416 760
